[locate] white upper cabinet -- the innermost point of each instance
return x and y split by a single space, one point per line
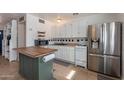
47 27
74 29
54 32
71 29
82 29
60 31
63 31
68 30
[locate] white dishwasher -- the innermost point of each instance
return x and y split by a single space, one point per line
81 56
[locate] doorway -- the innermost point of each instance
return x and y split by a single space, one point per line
21 35
1 38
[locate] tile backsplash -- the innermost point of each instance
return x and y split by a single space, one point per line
82 40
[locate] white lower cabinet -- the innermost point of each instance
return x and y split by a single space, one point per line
64 52
72 55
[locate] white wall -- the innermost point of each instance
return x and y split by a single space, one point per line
31 29
33 26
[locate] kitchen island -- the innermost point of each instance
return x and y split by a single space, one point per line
32 65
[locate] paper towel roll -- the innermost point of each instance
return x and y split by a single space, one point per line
48 58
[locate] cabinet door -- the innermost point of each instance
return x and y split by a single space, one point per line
53 31
82 29
71 55
48 33
60 32
68 54
65 53
62 52
74 29
57 32
57 53
69 30
60 55
64 31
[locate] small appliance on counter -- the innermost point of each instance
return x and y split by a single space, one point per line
41 42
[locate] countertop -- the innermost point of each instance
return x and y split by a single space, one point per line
35 51
68 45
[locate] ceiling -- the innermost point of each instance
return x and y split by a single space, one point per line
64 16
5 17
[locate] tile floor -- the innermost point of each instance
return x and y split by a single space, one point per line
9 70
62 71
72 72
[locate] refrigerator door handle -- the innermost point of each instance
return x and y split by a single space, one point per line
115 57
96 55
101 39
104 38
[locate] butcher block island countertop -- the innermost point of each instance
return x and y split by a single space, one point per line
32 64
35 51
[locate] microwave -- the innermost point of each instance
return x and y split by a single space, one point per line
41 42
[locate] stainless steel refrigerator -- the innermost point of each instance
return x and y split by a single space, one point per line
104 48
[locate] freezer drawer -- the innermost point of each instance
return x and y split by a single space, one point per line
109 65
96 63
